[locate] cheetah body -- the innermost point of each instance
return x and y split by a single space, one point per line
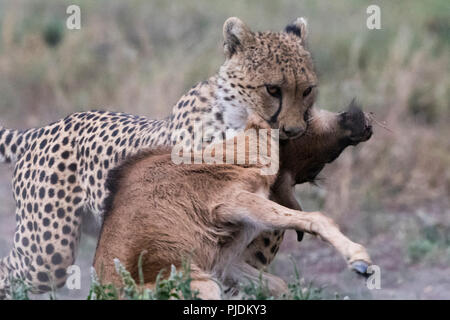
61 169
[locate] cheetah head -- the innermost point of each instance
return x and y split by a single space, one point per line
270 74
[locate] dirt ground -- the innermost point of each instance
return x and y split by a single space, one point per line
320 264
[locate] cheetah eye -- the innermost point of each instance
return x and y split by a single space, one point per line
307 92
274 91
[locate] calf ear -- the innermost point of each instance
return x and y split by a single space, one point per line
236 36
298 28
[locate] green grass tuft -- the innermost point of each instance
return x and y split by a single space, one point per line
19 290
178 286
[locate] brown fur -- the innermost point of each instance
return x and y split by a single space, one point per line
209 214
302 160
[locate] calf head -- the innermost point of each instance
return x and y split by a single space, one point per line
327 136
303 158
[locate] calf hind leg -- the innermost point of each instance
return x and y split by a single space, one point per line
206 287
275 285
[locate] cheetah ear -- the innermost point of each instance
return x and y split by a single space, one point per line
299 28
236 35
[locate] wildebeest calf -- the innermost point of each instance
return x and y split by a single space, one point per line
209 214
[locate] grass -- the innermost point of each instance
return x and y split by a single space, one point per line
298 289
176 286
429 243
19 290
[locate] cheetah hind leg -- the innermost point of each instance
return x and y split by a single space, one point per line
4 280
45 248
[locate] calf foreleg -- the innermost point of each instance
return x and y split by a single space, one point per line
253 208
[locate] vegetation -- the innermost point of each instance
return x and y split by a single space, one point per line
19 290
175 287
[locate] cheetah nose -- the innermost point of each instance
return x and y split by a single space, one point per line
293 132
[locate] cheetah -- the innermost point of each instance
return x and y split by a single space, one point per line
61 169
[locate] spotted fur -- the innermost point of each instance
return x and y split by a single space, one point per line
61 168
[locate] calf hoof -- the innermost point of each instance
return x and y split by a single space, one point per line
360 267
299 236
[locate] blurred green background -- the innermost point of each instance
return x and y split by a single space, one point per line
391 193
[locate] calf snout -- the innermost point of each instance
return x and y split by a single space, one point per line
357 123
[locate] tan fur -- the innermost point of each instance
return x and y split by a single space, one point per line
209 214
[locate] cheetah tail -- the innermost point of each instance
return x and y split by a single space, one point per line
12 144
